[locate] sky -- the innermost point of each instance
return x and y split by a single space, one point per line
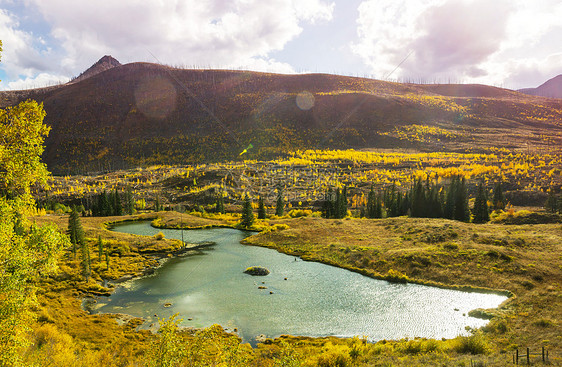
506 43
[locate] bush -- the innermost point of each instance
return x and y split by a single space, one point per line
159 236
333 356
474 344
296 213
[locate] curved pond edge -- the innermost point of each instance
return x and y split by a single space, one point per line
391 277
396 276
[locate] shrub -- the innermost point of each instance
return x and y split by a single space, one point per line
296 213
474 344
159 236
333 356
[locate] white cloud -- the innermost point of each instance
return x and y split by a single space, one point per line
476 41
218 33
18 56
39 81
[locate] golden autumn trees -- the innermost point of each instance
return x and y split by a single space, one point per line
27 251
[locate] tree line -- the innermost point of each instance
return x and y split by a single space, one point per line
425 199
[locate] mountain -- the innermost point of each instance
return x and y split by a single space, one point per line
105 63
122 116
552 88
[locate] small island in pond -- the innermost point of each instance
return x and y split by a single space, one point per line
256 270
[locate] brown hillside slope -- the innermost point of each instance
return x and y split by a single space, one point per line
142 113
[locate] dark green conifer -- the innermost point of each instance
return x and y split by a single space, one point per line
551 202
261 209
75 231
498 201
85 262
327 206
480 210
461 211
280 204
129 201
247 213
450 200
100 248
220 203
117 208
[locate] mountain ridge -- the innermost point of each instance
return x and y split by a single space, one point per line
144 113
552 88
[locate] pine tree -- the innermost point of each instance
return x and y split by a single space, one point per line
450 200
107 259
220 203
327 206
261 209
100 248
419 205
461 212
129 201
75 230
341 203
552 202
280 204
371 203
498 201
247 213
480 211
157 206
85 262
117 208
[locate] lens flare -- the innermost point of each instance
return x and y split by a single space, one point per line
305 100
155 97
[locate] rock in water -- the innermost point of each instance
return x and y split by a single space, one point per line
256 270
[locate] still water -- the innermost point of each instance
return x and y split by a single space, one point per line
314 300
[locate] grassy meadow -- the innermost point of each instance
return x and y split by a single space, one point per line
517 253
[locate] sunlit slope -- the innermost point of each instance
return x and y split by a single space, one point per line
145 113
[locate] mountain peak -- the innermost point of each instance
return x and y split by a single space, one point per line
105 63
551 88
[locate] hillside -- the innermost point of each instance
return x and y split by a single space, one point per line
552 88
121 116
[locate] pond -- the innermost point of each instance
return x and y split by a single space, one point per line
298 297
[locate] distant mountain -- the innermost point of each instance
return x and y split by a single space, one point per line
105 63
120 116
552 88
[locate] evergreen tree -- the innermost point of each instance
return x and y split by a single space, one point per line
157 206
85 262
117 208
371 204
129 201
220 203
450 200
418 208
342 203
461 212
107 259
498 201
378 207
75 231
480 211
261 209
552 202
327 206
280 204
247 213
100 248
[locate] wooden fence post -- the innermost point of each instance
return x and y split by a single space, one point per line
543 353
528 358
517 356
